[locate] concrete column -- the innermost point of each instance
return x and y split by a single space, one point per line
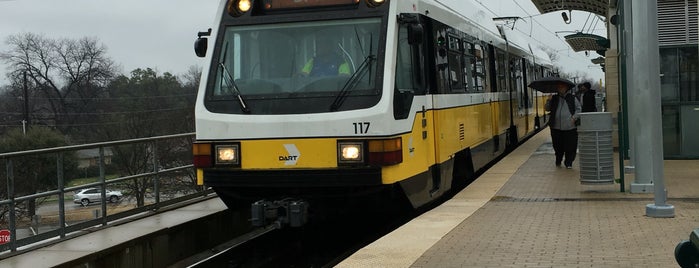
647 117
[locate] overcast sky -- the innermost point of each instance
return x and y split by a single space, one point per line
160 33
544 27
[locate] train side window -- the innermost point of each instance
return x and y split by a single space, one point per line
455 58
501 71
440 60
516 78
478 68
467 65
409 75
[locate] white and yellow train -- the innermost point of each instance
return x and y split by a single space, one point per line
422 94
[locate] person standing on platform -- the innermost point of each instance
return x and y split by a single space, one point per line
565 111
586 95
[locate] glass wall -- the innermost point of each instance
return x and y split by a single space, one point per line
680 95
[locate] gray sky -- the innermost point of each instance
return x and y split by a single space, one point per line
543 28
138 33
160 33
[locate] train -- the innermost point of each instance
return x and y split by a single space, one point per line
423 95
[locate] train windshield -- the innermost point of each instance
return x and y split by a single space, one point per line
332 62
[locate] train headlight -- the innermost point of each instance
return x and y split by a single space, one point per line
244 5
375 3
237 8
350 152
228 154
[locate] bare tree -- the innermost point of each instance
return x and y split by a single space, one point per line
68 74
148 104
192 78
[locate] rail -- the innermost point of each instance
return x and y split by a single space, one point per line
37 207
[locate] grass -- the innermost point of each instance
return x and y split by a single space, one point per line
81 181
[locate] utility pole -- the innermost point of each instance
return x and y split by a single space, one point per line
646 94
25 121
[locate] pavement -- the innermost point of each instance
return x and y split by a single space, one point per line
526 212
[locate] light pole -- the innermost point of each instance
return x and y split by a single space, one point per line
646 93
25 121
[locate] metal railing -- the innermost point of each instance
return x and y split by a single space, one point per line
162 172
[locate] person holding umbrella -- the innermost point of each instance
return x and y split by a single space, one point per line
565 113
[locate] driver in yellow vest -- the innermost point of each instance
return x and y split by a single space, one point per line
326 62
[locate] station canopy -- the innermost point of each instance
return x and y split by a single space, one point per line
599 7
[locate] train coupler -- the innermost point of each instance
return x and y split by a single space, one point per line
291 212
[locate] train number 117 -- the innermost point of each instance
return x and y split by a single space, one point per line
361 127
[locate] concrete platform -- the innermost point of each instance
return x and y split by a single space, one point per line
526 212
154 241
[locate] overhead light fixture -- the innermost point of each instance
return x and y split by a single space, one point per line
567 17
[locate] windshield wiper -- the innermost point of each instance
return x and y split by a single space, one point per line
352 82
231 85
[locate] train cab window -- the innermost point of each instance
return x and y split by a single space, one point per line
409 59
410 78
259 68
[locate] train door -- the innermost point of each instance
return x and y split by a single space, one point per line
412 93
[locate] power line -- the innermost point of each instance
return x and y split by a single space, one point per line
108 98
103 113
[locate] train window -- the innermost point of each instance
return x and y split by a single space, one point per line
455 59
478 67
516 78
318 57
467 64
501 71
455 71
441 60
409 75
408 61
530 76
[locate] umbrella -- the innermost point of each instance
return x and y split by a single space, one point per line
550 84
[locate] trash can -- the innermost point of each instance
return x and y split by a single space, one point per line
595 148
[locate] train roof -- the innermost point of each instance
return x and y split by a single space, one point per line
465 15
470 17
522 43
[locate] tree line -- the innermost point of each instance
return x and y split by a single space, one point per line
73 87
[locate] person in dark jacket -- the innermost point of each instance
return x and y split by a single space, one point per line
565 111
586 95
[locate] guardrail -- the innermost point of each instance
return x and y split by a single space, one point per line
153 173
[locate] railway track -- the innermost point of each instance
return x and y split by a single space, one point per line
318 244
213 255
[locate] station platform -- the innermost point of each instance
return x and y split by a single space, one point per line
154 241
526 212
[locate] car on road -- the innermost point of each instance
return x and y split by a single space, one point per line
94 195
